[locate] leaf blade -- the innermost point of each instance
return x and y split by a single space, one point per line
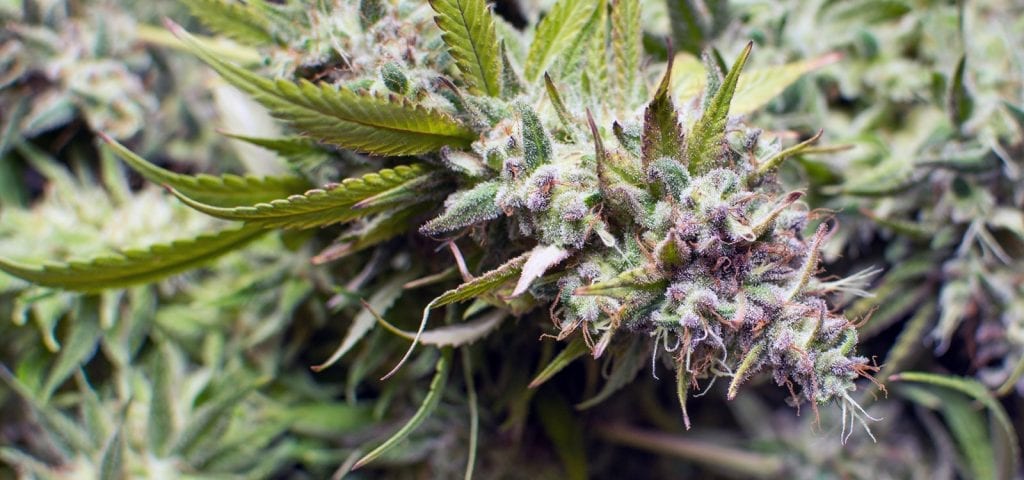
133 267
555 34
320 207
708 134
428 406
382 125
468 30
221 191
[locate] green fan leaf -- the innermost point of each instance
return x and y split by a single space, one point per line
977 392
378 304
707 136
202 422
376 230
134 266
339 203
556 33
627 48
759 86
754 89
295 149
430 402
76 348
382 125
220 191
233 19
468 30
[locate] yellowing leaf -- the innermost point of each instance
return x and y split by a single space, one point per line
759 86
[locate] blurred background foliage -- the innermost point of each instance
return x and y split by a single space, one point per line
207 374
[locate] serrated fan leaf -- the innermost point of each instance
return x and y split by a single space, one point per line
233 19
220 191
382 125
594 77
976 391
708 134
294 147
381 228
468 30
135 266
428 406
556 33
627 48
317 208
759 86
575 58
756 87
76 348
205 416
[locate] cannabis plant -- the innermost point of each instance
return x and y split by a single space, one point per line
927 97
941 185
569 176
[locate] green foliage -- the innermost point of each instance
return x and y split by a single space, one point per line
221 191
352 198
373 123
233 19
967 425
555 34
469 33
708 134
134 266
666 231
430 403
